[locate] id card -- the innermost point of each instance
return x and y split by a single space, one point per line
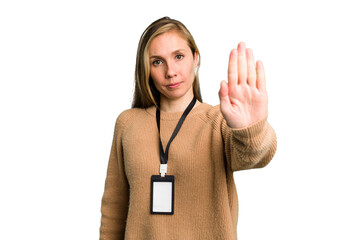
162 194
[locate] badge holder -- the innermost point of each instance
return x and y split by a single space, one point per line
162 186
162 193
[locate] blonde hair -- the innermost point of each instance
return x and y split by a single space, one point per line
146 94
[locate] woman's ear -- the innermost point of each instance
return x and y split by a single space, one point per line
196 59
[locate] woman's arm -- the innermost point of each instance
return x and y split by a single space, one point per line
114 207
250 142
251 147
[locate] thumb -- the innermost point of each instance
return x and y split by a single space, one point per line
224 97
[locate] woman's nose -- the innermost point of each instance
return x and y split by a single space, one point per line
170 70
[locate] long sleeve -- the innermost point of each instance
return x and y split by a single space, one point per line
251 147
114 207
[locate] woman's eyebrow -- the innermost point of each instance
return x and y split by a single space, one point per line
179 50
174 52
155 56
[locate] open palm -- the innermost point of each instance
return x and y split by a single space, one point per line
243 100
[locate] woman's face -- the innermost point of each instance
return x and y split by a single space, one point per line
172 66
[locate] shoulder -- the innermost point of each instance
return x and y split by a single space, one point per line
209 112
127 116
210 115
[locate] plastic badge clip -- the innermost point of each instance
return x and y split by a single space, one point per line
163 169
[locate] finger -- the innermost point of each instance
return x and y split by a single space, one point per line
232 70
251 72
224 97
260 72
242 65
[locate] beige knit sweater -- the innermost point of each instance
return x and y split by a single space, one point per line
202 158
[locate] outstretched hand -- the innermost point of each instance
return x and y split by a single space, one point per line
243 100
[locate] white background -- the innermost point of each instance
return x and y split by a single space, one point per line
66 71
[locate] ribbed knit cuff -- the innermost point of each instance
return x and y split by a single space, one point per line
250 132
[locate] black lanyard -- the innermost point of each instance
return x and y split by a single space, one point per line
164 155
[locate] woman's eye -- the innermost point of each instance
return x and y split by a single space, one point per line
178 57
156 62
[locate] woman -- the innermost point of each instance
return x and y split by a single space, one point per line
198 199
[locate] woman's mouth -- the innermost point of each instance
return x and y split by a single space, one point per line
174 85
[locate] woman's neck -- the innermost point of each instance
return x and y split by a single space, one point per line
176 105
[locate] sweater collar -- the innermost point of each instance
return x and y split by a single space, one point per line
176 115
